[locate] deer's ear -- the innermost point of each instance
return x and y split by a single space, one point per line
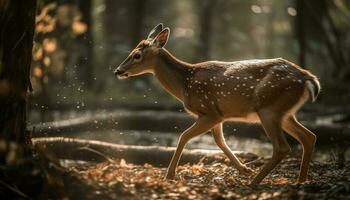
155 31
162 38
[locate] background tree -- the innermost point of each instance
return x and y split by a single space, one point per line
300 31
207 13
86 60
16 40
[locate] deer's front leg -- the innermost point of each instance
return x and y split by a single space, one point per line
202 125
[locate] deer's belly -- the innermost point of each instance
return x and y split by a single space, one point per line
236 105
249 118
239 111
232 111
227 115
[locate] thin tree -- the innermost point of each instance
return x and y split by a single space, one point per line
206 18
86 40
300 31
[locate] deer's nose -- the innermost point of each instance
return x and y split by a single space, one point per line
118 72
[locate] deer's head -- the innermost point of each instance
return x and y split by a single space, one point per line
142 59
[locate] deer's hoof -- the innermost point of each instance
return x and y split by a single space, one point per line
254 182
301 180
246 170
169 176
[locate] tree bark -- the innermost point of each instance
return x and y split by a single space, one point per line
17 19
90 150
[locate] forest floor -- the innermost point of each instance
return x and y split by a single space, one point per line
117 179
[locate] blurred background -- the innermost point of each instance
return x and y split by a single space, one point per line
79 43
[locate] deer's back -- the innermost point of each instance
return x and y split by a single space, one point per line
237 89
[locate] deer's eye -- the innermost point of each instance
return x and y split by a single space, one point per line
137 56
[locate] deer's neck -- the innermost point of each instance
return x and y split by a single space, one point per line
171 73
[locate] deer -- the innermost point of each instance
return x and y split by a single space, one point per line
264 91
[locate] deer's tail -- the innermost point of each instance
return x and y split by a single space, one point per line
313 87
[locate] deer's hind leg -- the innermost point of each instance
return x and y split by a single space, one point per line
272 124
306 138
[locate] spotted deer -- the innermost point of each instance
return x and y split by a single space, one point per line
266 91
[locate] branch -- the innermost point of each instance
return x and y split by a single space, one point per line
173 122
75 149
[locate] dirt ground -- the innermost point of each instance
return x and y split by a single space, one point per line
218 180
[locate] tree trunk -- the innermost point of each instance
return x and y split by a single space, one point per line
17 18
300 28
207 13
85 62
137 17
